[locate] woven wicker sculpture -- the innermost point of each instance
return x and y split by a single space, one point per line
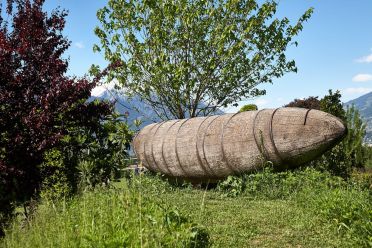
214 147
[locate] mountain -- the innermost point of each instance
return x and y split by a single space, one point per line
364 105
133 107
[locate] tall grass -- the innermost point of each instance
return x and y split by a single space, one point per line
106 218
303 208
344 205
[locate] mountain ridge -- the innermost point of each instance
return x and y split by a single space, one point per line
132 107
364 106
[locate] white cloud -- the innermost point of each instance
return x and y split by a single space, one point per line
362 78
365 59
79 45
356 91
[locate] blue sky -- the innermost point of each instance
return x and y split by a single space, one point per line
334 51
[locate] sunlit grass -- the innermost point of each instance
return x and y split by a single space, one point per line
104 218
300 209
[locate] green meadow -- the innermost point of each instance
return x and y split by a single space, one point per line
290 209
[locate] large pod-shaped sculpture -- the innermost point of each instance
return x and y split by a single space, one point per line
214 147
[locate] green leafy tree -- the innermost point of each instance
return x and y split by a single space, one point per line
350 152
357 152
190 57
332 104
336 160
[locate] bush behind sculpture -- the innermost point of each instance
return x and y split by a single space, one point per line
85 159
350 152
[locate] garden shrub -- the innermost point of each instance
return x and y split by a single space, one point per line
98 155
350 153
86 158
368 162
354 140
56 182
268 184
346 205
361 180
232 186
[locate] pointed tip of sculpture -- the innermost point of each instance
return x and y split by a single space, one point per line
338 128
342 129
321 132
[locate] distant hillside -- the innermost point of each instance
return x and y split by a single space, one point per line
364 105
136 108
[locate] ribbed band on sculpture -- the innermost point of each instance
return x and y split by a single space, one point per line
214 147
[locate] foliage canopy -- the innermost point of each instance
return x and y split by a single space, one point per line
39 104
188 58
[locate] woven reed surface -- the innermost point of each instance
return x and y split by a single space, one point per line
217 146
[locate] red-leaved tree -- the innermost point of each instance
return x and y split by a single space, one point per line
37 99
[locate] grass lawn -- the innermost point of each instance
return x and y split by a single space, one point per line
248 222
243 222
306 209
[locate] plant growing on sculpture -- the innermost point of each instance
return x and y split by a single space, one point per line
189 58
248 107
